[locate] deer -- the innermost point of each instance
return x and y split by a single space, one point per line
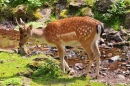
74 31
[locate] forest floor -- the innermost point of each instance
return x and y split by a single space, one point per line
114 70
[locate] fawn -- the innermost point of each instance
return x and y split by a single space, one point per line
74 31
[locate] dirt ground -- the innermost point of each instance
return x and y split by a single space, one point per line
112 72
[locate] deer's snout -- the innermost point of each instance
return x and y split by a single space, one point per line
20 44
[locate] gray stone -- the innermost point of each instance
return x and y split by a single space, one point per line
127 20
104 5
121 76
115 58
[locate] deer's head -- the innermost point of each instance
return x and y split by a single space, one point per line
25 32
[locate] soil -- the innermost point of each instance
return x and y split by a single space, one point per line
112 72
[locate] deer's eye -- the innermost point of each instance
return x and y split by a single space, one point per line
25 35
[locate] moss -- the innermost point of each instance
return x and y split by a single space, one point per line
37 14
90 2
64 13
86 11
20 12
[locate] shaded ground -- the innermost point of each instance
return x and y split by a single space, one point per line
115 64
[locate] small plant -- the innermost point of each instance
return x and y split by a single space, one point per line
49 68
4 3
12 82
89 2
114 16
35 25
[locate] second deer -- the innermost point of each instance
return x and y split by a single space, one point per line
74 31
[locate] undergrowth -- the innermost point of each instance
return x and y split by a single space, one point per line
115 15
49 74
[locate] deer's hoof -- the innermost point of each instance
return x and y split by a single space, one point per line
72 71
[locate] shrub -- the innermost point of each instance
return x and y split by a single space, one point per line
114 16
3 3
12 82
49 68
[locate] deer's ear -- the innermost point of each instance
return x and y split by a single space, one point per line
21 30
30 27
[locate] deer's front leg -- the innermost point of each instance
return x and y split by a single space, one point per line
61 55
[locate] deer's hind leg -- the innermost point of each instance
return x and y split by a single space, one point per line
97 57
91 56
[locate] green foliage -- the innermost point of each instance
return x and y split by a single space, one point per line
64 13
49 68
4 3
114 16
30 3
52 18
35 25
127 2
13 64
12 82
33 3
89 2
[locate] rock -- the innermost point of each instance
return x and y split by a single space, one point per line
26 81
110 44
104 5
123 32
86 11
1 61
120 76
129 62
127 20
35 64
76 3
123 64
123 60
128 65
109 55
103 69
79 66
46 12
104 74
121 44
115 58
128 68
40 59
117 37
28 73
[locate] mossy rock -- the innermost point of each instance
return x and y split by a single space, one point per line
127 3
20 12
64 13
37 14
7 11
89 2
86 11
35 64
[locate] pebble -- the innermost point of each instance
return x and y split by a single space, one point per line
115 58
1 61
103 69
120 76
123 64
129 62
128 68
128 65
79 66
123 60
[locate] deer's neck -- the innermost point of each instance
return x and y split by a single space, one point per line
37 33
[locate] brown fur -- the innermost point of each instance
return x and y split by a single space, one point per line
70 31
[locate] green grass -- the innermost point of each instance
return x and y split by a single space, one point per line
35 25
13 63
